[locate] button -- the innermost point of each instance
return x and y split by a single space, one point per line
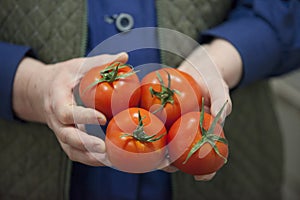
124 22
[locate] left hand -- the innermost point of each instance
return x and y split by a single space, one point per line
216 67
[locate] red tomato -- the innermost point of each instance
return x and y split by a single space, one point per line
135 141
191 148
110 88
169 93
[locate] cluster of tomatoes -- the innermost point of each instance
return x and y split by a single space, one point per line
161 115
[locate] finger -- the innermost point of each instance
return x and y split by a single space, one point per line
88 116
81 127
90 62
79 139
220 99
170 169
167 167
206 177
64 106
85 157
218 90
191 69
73 114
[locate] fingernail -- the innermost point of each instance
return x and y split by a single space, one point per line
122 55
171 169
101 120
197 178
99 148
207 177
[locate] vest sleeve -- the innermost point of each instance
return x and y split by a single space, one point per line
266 34
10 57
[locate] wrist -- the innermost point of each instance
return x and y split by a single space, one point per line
227 60
27 98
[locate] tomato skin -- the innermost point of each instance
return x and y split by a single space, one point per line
128 154
110 98
184 134
188 100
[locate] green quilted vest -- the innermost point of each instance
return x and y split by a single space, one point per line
33 166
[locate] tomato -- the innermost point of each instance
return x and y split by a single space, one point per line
110 88
169 93
197 144
135 141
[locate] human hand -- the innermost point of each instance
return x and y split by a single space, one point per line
216 67
44 93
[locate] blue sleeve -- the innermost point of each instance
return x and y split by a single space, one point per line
10 57
266 33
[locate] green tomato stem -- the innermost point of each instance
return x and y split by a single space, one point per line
139 133
208 136
166 94
110 74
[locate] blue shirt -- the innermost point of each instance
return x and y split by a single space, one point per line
104 182
268 41
265 32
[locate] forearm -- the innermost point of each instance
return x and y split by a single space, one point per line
227 60
10 58
26 95
267 44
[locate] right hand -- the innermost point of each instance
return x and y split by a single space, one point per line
44 93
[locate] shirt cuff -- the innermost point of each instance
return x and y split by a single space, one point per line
10 57
256 43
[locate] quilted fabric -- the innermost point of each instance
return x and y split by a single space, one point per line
255 165
30 155
54 29
32 165
188 17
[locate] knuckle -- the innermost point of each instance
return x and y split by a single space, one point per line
75 63
72 140
48 112
64 137
65 117
80 144
47 106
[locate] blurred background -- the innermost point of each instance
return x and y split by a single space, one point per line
287 106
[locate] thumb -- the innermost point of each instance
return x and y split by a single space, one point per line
91 62
220 100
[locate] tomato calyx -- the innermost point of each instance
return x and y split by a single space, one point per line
166 94
110 74
139 133
208 136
